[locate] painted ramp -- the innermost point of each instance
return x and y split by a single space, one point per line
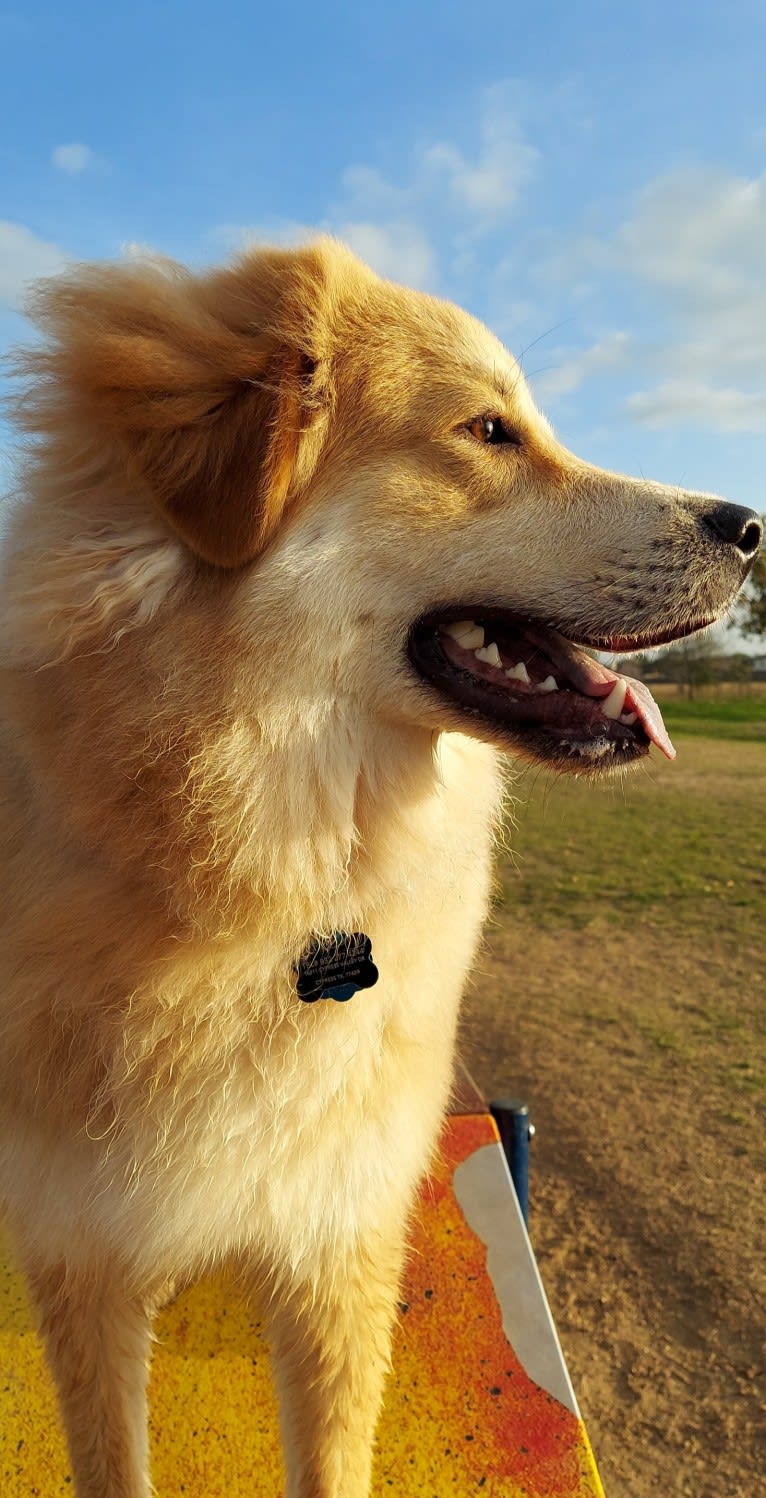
479 1401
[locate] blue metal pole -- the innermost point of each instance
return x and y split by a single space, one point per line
512 1118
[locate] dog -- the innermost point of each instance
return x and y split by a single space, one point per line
294 561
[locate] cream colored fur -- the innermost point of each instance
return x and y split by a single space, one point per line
246 487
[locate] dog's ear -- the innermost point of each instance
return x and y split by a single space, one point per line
205 383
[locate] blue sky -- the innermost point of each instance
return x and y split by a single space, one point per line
589 178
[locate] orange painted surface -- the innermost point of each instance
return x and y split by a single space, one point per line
461 1416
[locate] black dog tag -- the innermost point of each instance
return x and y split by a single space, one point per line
335 967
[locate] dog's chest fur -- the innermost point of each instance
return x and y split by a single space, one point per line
251 1117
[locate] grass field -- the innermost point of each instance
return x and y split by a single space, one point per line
622 992
675 845
724 717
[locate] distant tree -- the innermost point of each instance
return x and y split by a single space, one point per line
751 613
739 666
693 663
645 667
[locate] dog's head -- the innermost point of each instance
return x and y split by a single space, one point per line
358 472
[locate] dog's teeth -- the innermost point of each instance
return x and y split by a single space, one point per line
628 718
611 706
518 673
490 654
549 685
467 634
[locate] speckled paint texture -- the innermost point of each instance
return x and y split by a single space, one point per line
461 1415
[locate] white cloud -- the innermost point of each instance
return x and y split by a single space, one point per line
690 261
73 158
697 244
364 186
445 196
24 257
566 377
489 186
692 401
397 250
698 230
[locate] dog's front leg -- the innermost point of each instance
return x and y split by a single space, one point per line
330 1334
97 1339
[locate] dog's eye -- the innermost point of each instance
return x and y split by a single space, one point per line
491 430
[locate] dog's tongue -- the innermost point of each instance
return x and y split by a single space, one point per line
639 700
597 681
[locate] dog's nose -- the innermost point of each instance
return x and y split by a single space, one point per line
736 526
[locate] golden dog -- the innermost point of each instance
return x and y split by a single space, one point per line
295 555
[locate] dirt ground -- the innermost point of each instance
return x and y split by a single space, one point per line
647 1181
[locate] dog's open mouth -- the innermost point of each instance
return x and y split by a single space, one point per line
527 685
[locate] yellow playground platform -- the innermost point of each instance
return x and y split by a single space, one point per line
479 1402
